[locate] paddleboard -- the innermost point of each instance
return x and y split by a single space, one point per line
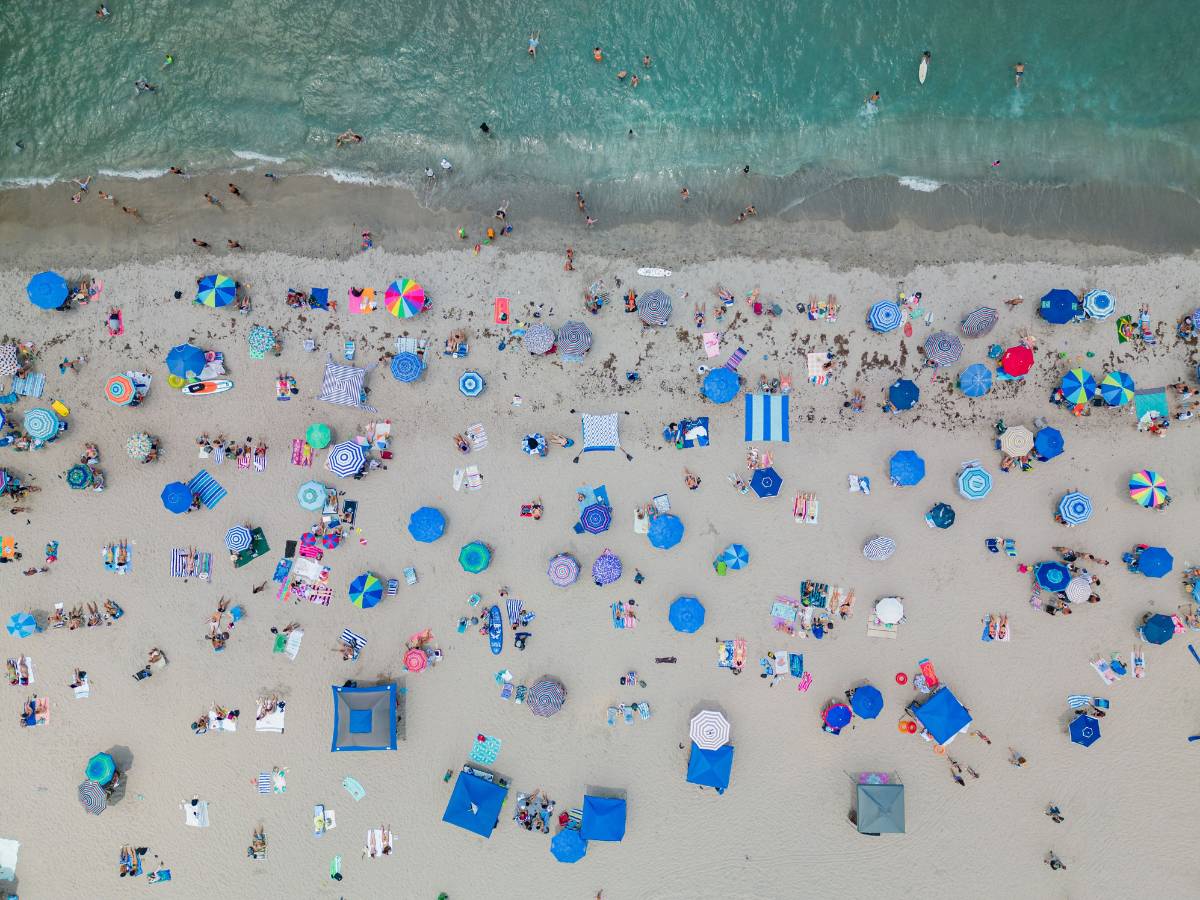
923 70
652 272
204 388
495 630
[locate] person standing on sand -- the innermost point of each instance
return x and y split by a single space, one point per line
233 189
131 211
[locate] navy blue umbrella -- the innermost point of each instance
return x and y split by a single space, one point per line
1158 629
1085 730
1155 562
1048 442
903 394
1060 306
866 701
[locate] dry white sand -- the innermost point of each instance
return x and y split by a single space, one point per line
781 827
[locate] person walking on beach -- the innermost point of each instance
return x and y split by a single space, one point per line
233 189
131 211
211 199
1054 813
580 202
1016 759
175 170
1054 862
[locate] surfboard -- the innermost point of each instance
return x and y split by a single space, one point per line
204 388
922 70
652 272
495 630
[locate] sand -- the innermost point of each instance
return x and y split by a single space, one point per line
781 827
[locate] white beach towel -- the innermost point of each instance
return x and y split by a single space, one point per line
271 722
292 648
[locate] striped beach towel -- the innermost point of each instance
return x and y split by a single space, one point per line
735 359
218 454
31 385
188 563
312 551
320 594
767 417
514 611
357 641
260 461
264 782
243 460
1076 701
206 487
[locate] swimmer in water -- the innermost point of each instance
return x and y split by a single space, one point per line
873 99
646 60
102 12
142 85
167 60
349 137
621 75
20 146
533 44
484 128
597 54
1019 72
633 82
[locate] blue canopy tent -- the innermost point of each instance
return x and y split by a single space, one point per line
1060 306
1048 442
364 718
427 524
603 818
475 804
567 846
906 468
881 809
710 768
942 715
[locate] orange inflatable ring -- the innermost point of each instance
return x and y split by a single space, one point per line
939 749
904 727
901 678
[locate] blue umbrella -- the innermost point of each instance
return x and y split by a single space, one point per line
1060 306
686 615
975 380
735 556
941 516
47 290
1052 576
366 591
1078 386
838 715
22 625
177 497
906 468
1117 388
239 538
407 367
974 482
766 482
1155 562
426 525
1158 629
471 384
866 701
40 423
1075 508
534 444
596 518
1085 730
903 394
884 316
185 361
346 459
606 569
720 385
665 531
1099 304
1048 442
568 846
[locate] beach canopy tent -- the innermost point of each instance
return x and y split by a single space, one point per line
710 768
427 524
665 531
686 615
767 418
1155 562
47 290
906 468
343 385
475 804
721 385
904 394
1048 442
942 715
364 718
1158 629
1085 730
600 432
603 818
1060 306
567 846
881 809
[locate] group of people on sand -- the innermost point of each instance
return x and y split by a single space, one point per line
218 633
534 814
247 454
88 615
218 713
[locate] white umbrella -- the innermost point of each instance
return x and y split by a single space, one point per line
709 729
889 610
1079 589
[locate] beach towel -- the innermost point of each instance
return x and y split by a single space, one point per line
693 432
189 563
880 629
31 385
260 461
16 666
109 555
859 484
289 644
600 432
1151 400
474 480
477 435
486 750
1104 670
1078 701
343 385
362 303
243 460
320 594
208 489
767 418
263 783
926 668
272 722
378 841
307 568
8 547
816 368
218 724
195 814
357 641
318 298
514 611
83 690
735 359
712 343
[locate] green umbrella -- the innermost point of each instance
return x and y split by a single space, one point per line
318 436
475 557
79 477
101 768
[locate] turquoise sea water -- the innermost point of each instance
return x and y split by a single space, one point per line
1109 95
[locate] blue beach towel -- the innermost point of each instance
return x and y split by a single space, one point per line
767 418
208 489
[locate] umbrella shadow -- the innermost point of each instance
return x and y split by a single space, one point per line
599 790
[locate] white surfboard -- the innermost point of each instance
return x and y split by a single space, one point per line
923 70
651 272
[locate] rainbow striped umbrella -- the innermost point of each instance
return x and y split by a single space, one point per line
216 291
1148 489
366 591
404 298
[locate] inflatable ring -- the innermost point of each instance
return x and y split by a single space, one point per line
904 727
901 678
912 727
939 749
174 381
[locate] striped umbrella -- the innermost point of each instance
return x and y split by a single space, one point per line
879 548
261 339
943 349
709 729
1117 388
415 660
1016 441
1078 589
975 380
346 458
545 697
1052 576
22 625
735 556
318 436
1148 489
216 291
1078 386
1017 361
101 768
606 569
138 446
471 384
238 538
1099 304
40 423
91 795
534 444
366 591
79 477
563 570
884 316
1075 508
10 363
539 339
119 389
311 495
654 307
475 557
407 367
979 321
596 518
404 298
574 339
974 482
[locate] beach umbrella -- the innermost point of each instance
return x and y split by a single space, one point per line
889 610
596 518
1016 441
139 446
879 548
119 389
1085 730
1117 388
534 444
238 538
568 846
177 497
1052 576
311 495
766 482
1059 306
906 468
941 515
79 477
92 796
346 459
415 660
606 569
407 367
545 697
1078 589
974 482
665 531
735 556
10 363
427 524
563 570
1155 562
1017 361
40 423
979 321
1078 386
904 394
1048 442
216 291
574 339
366 591
539 339
475 557
686 615
942 349
22 625
709 729
318 436
186 361
471 384
1075 508
884 316
866 701
47 290
654 307
837 715
1158 629
1099 304
404 298
1148 489
261 339
720 385
975 380
101 768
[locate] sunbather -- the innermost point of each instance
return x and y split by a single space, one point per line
93 614
1002 628
461 443
691 480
